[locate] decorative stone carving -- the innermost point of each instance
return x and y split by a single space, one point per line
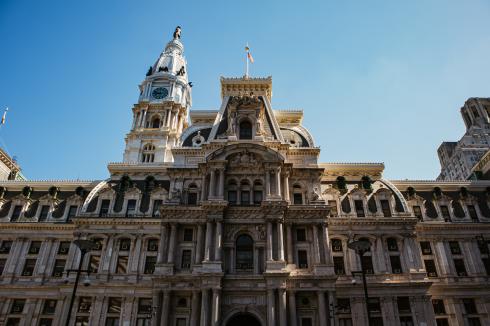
244 158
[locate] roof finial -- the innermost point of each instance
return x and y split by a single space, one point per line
177 32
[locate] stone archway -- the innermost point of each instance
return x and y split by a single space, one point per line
243 319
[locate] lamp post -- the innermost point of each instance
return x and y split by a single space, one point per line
84 246
361 247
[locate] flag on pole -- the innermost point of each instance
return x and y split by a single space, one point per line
4 116
249 55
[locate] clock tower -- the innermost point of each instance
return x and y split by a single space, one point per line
162 109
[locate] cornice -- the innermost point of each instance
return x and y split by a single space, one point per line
40 185
37 226
428 185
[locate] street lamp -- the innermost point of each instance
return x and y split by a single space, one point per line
84 246
361 247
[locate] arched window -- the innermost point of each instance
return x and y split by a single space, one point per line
148 155
155 122
245 130
244 192
244 253
258 192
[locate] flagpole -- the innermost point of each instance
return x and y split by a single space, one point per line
246 59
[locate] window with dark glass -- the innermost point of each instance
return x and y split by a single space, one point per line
114 306
104 207
445 211
454 247
338 265
5 247
29 266
144 306
13 322
94 263
385 207
359 205
72 212
17 306
460 268
186 259
34 247
43 215
472 212
430 267
343 305
374 305
232 197
403 304
98 244
59 267
85 304
131 207
417 211
302 259
306 321
188 233
46 322
16 213
152 245
406 321
124 244
192 198
367 264
298 199
81 321
482 247
438 306
442 322
469 306
486 264
245 198
392 244
49 307
426 248
2 265
150 264
156 207
336 245
64 247
396 266
257 197
122 265
180 322
245 130
474 321
300 235
244 253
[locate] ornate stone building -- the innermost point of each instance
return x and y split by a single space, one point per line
227 218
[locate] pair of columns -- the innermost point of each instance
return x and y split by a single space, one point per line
213 192
280 241
277 182
218 240
293 319
325 243
168 232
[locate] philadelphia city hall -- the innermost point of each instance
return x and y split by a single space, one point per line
226 218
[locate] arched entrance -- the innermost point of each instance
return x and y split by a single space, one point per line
243 319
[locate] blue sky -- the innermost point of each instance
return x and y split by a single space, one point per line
379 81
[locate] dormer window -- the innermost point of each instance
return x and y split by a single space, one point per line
43 215
245 130
148 154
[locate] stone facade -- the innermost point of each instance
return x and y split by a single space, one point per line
237 223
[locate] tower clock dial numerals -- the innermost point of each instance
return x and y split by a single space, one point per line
159 93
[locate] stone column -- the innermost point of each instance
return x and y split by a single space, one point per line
232 260
216 308
282 308
195 308
322 312
164 320
278 181
163 244
212 182
292 308
316 248
256 260
390 311
285 187
280 241
221 183
207 248
289 239
332 302
218 247
200 231
326 245
156 308
267 183
269 241
380 256
203 187
271 311
469 252
443 259
205 308
171 246
169 118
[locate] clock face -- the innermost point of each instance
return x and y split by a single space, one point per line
160 92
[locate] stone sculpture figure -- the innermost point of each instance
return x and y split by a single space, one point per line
177 32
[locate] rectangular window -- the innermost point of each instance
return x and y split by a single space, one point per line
300 235
181 322
43 215
81 321
188 233
152 245
345 321
72 212
426 248
396 266
13 322
442 322
406 321
17 306
374 305
245 198
454 247
482 247
430 267
385 207
64 247
469 306
156 207
472 212
343 305
85 305
367 264
258 197
34 248
131 208
144 306
359 205
486 263
5 247
444 211
122 265
186 259
338 265
302 259
150 264
114 306
143 322
306 321
2 265
16 213
376 321
403 304
298 199
474 321
104 207
59 267
49 307
124 245
337 245
94 263
112 321
333 207
192 198
46 322
417 211
438 305
392 244
29 266
98 244
232 197
460 268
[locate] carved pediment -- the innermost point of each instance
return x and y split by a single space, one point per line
244 158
